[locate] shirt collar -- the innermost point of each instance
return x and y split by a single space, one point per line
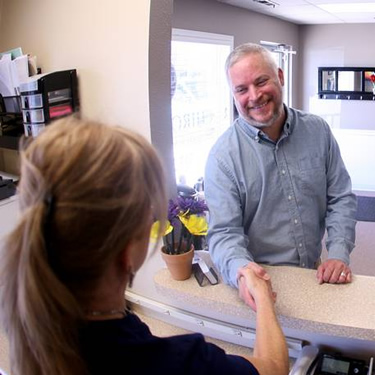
250 130
289 121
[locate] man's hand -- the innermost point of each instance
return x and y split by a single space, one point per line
334 271
246 282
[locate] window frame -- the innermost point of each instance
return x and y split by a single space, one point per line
193 36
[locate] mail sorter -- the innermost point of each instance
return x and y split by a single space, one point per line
46 97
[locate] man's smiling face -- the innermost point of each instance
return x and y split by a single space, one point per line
257 89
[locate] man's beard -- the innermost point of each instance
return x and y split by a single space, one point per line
261 125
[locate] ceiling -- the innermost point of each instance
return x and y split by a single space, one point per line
311 12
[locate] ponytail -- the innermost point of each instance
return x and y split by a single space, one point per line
37 310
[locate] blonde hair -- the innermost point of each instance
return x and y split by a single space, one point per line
86 190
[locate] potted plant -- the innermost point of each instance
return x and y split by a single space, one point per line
186 224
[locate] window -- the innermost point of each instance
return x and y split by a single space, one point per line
201 101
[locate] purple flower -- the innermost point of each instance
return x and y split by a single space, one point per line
173 211
180 235
193 205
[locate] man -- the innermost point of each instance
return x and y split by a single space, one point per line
275 181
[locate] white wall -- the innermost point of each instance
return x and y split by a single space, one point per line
107 42
123 68
358 152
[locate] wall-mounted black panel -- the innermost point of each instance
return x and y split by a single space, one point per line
349 83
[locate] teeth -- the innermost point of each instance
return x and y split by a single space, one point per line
260 106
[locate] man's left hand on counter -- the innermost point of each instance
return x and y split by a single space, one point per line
334 271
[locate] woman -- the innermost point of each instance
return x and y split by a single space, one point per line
88 195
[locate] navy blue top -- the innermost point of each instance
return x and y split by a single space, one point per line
126 346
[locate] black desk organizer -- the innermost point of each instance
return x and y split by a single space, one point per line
43 98
46 97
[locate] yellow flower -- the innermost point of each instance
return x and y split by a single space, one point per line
196 225
155 230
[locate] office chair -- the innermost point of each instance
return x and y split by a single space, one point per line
365 208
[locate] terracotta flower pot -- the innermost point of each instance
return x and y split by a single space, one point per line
179 265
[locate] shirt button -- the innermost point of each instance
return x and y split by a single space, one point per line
256 138
300 244
289 197
295 221
283 171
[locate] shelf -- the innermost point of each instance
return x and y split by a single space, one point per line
346 83
9 142
347 96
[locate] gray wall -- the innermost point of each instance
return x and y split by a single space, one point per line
160 86
214 17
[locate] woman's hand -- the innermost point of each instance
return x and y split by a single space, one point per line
254 283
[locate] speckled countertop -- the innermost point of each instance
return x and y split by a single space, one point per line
346 311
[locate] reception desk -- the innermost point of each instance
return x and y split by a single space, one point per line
338 318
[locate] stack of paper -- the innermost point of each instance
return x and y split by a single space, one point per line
15 68
6 81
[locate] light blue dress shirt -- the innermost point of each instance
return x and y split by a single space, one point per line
271 202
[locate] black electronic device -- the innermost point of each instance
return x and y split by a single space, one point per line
330 364
313 362
198 274
202 272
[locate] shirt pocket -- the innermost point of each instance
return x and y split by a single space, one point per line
313 177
